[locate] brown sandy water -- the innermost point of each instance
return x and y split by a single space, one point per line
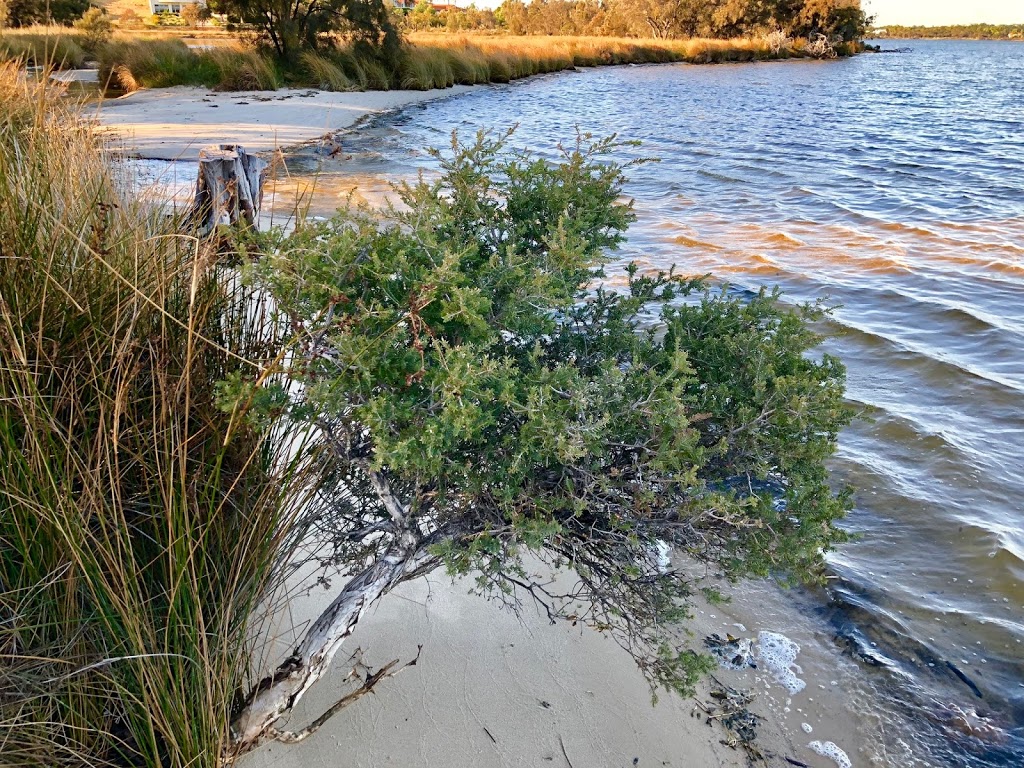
892 185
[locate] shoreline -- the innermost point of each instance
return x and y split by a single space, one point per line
491 690
176 123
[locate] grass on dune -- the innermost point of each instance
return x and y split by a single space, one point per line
53 47
140 522
429 60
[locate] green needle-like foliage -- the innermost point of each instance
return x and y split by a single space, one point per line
486 401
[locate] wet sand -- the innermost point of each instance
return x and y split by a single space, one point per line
175 123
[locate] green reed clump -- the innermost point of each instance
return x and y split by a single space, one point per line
243 69
128 64
424 68
43 47
324 73
140 521
156 63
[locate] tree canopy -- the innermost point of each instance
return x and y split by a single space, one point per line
24 13
290 27
488 405
841 19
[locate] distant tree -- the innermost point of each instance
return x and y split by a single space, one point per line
685 18
291 26
191 14
423 16
514 16
24 13
668 18
96 28
129 19
842 19
487 409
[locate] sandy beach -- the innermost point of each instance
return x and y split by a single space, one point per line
493 691
176 123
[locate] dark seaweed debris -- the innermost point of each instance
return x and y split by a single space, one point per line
730 707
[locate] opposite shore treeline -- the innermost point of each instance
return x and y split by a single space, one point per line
357 45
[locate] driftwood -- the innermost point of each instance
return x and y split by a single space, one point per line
229 185
275 696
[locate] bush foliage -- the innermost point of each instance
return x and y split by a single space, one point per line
464 365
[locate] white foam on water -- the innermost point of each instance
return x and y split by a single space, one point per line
778 654
832 752
663 557
807 727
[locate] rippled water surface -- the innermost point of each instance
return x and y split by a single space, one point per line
893 185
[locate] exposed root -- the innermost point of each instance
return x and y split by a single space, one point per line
369 681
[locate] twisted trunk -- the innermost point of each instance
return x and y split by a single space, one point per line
278 694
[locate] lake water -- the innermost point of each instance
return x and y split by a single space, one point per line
893 185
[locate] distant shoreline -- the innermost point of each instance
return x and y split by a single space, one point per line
964 39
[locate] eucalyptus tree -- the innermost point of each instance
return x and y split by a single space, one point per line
490 407
291 26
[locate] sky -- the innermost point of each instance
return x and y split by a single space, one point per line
937 12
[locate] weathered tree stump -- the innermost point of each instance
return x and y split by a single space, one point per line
229 186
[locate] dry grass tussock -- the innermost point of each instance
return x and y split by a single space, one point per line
54 47
430 60
438 60
140 521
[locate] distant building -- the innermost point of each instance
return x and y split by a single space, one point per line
172 6
404 5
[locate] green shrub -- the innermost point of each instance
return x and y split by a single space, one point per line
96 28
496 414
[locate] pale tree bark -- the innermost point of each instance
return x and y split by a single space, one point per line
278 694
229 184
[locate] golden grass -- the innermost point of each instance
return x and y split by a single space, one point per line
438 60
429 60
140 518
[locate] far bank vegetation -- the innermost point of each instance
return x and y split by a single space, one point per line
346 45
952 31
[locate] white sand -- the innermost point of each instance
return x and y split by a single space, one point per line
535 688
175 123
493 692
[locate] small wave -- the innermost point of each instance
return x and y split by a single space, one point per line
717 176
782 237
691 242
942 357
913 229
